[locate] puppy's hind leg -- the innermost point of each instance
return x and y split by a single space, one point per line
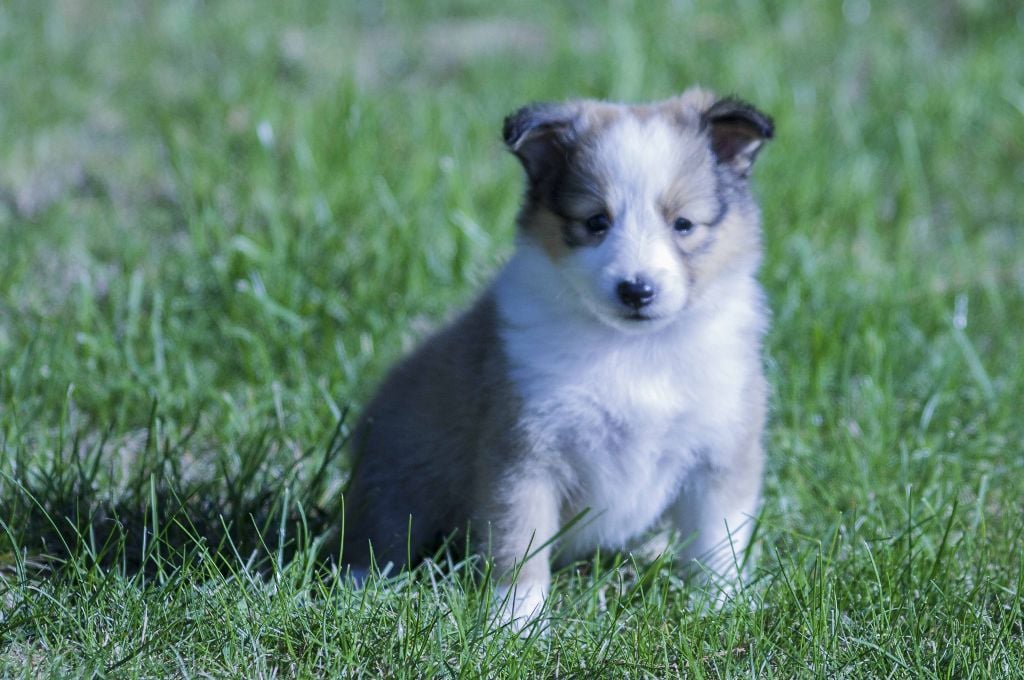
383 528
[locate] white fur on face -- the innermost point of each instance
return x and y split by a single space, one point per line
633 417
639 163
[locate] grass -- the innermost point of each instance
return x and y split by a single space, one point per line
221 222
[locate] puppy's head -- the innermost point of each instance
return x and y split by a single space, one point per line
640 208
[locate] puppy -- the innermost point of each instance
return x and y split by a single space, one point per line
612 370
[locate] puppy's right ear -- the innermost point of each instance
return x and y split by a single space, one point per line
738 131
541 135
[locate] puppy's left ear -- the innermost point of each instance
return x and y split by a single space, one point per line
540 135
738 131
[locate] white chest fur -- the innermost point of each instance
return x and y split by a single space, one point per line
623 418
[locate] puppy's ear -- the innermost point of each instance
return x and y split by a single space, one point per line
541 135
737 131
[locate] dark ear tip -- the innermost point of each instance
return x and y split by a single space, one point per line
508 129
735 110
517 124
539 134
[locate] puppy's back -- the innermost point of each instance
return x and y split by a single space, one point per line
413 445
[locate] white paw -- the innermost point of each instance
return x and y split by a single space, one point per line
519 604
358 575
714 590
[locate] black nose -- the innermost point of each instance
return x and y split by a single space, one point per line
636 293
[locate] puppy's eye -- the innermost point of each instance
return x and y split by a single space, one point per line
683 225
598 224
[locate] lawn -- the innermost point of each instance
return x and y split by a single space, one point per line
220 222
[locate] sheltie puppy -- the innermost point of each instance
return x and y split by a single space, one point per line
611 372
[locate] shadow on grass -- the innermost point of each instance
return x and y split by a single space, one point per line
254 506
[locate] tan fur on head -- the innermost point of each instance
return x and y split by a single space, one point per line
638 169
692 103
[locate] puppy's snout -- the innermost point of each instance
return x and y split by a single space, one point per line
635 293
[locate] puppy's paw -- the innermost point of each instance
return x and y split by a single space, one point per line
517 605
356 575
714 591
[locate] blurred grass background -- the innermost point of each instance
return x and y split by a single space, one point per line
220 222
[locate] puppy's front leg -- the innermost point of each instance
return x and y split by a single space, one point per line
521 518
715 514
